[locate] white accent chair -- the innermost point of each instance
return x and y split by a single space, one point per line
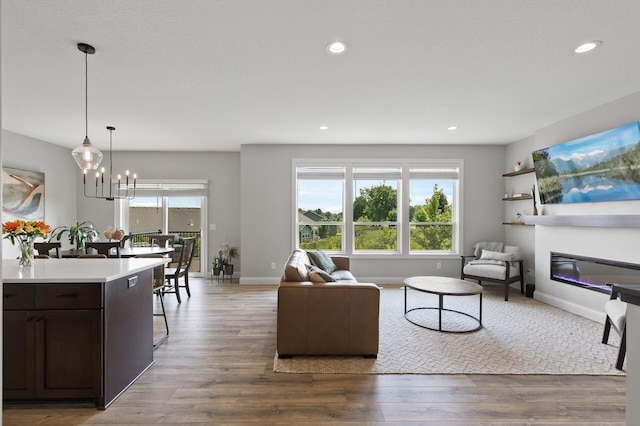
494 262
616 311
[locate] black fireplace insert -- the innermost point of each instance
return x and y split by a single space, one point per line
592 273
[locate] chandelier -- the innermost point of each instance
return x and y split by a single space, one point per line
124 190
88 157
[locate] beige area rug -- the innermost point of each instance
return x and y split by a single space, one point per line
521 336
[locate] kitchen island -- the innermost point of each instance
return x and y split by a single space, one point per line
76 329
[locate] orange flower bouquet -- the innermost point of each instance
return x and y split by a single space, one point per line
25 232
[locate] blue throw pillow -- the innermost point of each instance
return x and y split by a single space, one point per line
322 261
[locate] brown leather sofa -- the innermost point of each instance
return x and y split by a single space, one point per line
326 318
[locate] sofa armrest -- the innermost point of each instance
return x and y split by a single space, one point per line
342 262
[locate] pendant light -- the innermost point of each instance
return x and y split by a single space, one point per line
124 190
86 155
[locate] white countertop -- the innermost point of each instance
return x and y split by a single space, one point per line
75 270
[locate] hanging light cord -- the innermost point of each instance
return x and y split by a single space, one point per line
86 96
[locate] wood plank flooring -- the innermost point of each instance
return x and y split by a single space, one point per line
216 368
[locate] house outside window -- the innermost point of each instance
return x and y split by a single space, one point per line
395 208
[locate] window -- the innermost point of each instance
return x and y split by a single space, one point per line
320 206
375 209
395 207
432 209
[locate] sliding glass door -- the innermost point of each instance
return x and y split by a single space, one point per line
162 208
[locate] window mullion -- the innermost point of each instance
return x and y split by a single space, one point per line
348 211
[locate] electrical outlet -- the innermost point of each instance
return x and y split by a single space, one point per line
273 265
438 265
212 227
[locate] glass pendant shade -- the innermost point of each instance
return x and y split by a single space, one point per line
87 156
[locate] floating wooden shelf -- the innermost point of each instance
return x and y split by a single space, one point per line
517 223
524 197
611 221
521 172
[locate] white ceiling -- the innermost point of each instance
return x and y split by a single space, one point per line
212 75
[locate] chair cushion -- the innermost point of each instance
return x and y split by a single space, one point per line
495 255
322 260
617 311
486 268
487 245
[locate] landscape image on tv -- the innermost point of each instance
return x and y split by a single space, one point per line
600 167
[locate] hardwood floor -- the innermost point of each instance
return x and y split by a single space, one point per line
216 368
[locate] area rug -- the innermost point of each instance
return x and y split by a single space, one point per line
521 336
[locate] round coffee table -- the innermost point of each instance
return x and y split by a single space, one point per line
443 286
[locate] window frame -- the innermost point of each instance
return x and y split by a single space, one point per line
403 204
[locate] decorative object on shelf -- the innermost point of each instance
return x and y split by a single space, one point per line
79 233
25 233
519 217
123 190
519 166
533 196
86 155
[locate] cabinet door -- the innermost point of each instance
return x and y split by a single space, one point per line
18 364
68 354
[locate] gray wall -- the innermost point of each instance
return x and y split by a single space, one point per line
220 169
609 243
267 206
59 168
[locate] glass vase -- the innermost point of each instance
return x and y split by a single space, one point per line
26 253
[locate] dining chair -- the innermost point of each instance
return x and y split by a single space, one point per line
127 240
162 240
46 248
181 270
103 248
157 288
92 256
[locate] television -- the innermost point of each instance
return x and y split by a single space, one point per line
601 167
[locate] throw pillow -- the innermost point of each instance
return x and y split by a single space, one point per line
322 260
317 275
495 255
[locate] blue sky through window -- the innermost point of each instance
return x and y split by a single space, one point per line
327 194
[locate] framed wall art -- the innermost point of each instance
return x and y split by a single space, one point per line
22 195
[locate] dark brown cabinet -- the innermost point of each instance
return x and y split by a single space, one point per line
52 340
76 341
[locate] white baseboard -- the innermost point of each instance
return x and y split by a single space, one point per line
570 307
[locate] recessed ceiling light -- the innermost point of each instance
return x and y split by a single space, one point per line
452 128
337 47
588 46
324 127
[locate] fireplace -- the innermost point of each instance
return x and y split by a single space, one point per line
592 273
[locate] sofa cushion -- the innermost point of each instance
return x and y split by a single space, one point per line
343 276
295 269
322 260
317 275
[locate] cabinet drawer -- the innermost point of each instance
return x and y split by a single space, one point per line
69 296
19 296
